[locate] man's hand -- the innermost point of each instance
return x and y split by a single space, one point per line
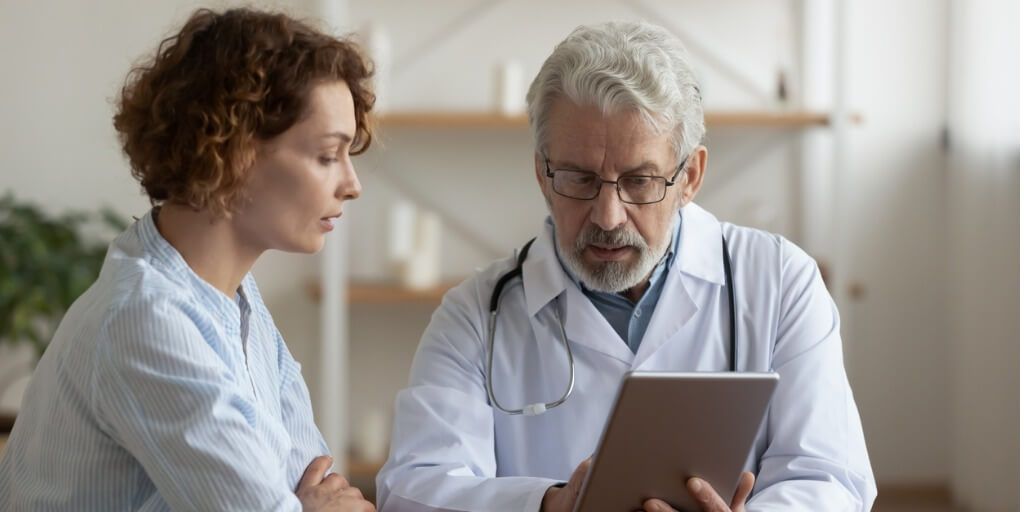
331 493
562 499
708 499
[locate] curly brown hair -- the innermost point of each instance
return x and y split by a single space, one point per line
188 118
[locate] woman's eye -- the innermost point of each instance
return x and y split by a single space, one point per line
328 160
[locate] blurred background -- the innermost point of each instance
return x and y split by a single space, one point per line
881 136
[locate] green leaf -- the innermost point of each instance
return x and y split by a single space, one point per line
46 263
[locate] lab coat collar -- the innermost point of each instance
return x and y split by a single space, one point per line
543 277
700 245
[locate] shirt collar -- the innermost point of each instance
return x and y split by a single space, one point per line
164 257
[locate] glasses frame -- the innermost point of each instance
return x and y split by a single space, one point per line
618 188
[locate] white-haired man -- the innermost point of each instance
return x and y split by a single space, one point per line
627 274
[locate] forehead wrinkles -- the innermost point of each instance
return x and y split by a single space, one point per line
613 146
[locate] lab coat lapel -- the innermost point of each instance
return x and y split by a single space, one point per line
547 287
699 256
675 308
585 325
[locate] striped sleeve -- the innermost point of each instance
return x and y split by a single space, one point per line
167 397
297 415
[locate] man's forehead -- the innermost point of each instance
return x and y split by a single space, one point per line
623 147
586 128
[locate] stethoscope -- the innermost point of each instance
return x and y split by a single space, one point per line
542 407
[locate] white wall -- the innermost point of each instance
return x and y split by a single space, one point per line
895 338
982 213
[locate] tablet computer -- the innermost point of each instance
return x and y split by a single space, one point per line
667 427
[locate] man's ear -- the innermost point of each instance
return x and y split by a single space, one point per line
692 176
538 167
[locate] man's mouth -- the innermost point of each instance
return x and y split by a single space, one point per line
606 252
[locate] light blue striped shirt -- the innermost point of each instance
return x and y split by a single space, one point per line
629 319
159 392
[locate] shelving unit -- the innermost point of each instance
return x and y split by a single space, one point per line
766 118
383 293
715 118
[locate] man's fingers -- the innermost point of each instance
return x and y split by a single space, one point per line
578 475
314 473
705 496
581 471
743 490
654 505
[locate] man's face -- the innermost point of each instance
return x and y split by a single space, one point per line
611 245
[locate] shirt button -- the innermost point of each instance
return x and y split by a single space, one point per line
637 313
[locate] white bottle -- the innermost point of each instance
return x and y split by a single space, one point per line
423 269
510 95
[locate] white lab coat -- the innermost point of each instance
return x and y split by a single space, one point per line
452 451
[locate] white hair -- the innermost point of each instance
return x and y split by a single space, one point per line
617 65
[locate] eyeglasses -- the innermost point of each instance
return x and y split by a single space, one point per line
632 189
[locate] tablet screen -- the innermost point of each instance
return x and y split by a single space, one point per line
667 427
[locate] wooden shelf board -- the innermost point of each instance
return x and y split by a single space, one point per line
719 118
386 293
451 120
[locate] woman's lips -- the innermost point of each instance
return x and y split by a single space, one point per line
327 223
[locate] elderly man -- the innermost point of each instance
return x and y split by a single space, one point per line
626 274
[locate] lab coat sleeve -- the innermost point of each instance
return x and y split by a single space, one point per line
443 445
816 458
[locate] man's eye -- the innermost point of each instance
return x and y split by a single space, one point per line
580 178
636 181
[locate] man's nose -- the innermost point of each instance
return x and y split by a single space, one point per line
608 211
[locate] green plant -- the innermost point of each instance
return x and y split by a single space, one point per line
46 262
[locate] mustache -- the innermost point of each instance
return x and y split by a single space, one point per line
621 236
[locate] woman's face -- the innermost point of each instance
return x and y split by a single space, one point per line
300 178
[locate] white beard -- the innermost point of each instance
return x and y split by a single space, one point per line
613 276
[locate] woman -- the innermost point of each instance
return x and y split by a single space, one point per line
167 385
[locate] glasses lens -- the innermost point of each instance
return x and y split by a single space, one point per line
641 189
576 184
